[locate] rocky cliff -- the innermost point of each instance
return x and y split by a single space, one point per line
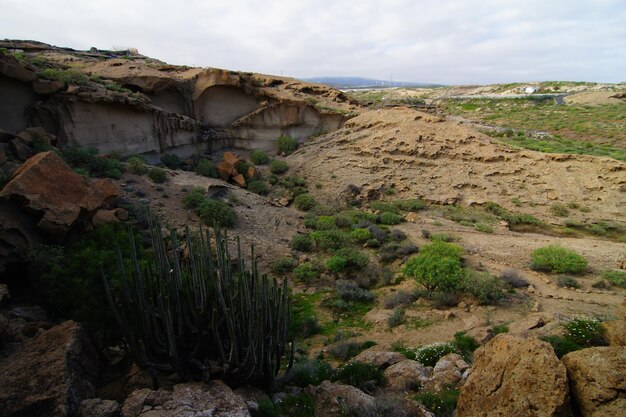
127 103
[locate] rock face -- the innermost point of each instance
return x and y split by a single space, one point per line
214 399
515 377
50 375
331 400
598 380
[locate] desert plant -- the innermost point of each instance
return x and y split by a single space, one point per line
348 349
350 291
414 205
283 266
182 314
305 202
278 167
89 160
567 281
216 213
336 263
287 145
329 240
559 209
360 235
137 166
157 175
258 187
68 76
396 318
436 267
465 345
441 404
259 157
171 160
615 277
364 376
585 331
557 259
307 272
206 168
485 288
192 199
399 299
429 355
302 243
308 372
499 329
391 218
513 278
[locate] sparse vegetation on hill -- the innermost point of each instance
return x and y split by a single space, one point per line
558 259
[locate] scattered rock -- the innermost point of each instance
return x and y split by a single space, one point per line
407 375
97 407
598 380
380 359
331 400
515 377
50 374
213 399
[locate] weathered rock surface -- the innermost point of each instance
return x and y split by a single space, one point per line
407 375
50 374
214 399
46 185
598 380
97 407
380 359
331 400
447 373
515 377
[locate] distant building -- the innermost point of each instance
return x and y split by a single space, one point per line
530 89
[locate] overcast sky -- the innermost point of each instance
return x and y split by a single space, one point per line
443 41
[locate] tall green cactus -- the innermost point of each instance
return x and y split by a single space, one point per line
202 316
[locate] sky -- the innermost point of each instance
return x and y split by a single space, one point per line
433 41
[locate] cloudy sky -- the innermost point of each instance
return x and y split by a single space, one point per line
443 41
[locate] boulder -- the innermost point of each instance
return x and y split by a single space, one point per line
332 400
231 158
407 375
380 359
50 374
104 216
447 372
97 407
21 149
515 377
598 380
214 399
615 332
239 180
45 184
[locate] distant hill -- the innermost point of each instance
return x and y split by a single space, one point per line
359 82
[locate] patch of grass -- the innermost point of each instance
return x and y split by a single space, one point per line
565 281
304 202
216 213
441 404
396 318
307 272
413 205
559 210
363 376
304 321
554 258
67 76
615 277
500 328
348 349
302 243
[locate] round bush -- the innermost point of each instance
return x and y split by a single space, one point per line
216 213
206 168
391 218
278 167
336 264
306 272
361 235
137 166
283 266
194 198
305 202
157 175
258 187
303 243
172 161
435 273
259 157
287 145
558 259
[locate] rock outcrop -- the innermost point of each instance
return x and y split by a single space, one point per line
515 377
407 375
380 359
333 400
214 399
598 380
50 374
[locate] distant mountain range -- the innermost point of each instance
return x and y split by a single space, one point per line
360 82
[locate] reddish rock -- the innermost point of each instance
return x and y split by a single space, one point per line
46 184
121 214
104 217
224 169
50 374
231 158
239 180
251 173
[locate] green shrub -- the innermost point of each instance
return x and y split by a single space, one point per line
193 198
391 218
465 345
402 349
336 263
499 329
399 299
278 167
303 321
287 145
360 235
206 168
171 160
559 210
308 372
258 187
259 157
329 239
443 237
302 243
350 291
283 266
434 272
89 160
137 166
348 349
561 345
384 206
567 281
324 210
305 202
307 272
483 227
354 258
429 355
157 175
363 376
216 213
615 277
442 404
343 221
585 331
442 250
485 288
325 222
396 318
558 259
68 76
410 205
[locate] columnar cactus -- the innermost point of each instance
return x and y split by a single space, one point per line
201 316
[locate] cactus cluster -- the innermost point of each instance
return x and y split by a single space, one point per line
192 311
